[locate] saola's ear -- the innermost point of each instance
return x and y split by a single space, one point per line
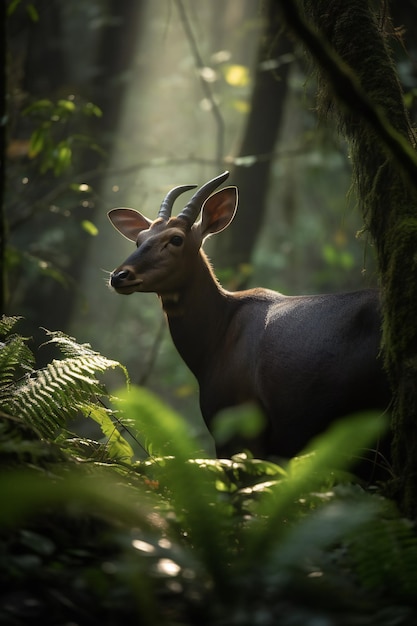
218 211
128 222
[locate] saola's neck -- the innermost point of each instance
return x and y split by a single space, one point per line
188 299
198 315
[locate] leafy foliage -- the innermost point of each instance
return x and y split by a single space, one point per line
89 535
30 8
395 539
14 356
47 398
48 141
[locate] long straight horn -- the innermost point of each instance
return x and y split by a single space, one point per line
191 211
168 202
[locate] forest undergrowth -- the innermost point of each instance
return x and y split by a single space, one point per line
92 531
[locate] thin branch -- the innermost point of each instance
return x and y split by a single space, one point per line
350 92
2 157
204 84
84 177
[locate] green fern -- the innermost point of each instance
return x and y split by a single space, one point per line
49 397
7 323
15 357
46 399
20 446
385 557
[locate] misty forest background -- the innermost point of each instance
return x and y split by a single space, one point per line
112 104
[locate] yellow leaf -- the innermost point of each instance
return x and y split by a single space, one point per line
242 106
89 227
237 75
184 391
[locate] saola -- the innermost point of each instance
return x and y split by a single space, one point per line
305 360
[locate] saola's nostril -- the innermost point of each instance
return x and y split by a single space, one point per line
118 277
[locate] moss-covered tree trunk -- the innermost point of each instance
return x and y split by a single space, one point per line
359 83
2 155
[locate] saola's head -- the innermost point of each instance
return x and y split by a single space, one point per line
166 248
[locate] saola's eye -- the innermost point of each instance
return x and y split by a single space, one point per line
176 240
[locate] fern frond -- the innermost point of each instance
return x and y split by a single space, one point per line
117 447
49 397
15 358
384 552
7 323
70 348
45 400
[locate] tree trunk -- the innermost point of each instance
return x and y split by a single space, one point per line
235 246
2 155
368 102
46 73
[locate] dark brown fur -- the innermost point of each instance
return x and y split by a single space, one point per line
305 360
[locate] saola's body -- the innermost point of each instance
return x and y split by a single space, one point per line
305 360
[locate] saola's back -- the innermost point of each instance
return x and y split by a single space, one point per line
319 362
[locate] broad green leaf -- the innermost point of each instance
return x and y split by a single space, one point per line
165 428
245 422
117 445
92 109
29 493
38 105
332 450
89 227
63 157
32 12
37 142
67 105
193 495
13 6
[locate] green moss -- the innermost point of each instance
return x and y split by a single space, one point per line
376 124
399 279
